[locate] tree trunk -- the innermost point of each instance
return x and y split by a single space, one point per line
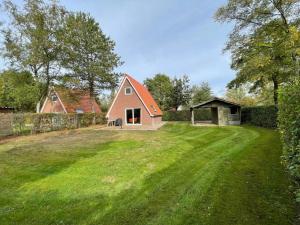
48 80
92 96
275 90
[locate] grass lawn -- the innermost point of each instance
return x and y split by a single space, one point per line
177 175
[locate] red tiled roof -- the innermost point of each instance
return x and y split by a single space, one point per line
145 96
77 100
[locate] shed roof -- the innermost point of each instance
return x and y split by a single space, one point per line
215 99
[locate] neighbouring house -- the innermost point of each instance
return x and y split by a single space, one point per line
223 112
63 100
134 105
6 109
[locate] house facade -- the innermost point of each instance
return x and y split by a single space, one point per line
134 105
62 100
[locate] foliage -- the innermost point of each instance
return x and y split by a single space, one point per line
201 93
135 177
263 116
89 53
105 101
242 95
31 38
160 87
19 90
181 93
264 42
31 123
185 115
289 125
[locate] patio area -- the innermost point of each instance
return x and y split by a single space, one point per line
134 127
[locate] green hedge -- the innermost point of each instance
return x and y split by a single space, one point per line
262 116
289 125
29 123
200 115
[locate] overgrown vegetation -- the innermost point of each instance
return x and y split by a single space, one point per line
177 175
289 125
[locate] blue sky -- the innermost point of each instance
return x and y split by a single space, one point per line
165 36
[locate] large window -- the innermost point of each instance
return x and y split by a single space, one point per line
133 116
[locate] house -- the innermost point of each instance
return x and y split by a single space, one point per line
63 100
223 112
134 105
6 109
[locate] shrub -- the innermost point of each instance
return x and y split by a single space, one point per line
262 116
26 123
185 115
289 125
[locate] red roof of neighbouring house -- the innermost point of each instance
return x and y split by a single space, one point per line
75 99
145 96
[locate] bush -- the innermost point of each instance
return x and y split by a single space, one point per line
26 123
289 125
262 116
200 115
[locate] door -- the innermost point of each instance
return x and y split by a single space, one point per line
133 116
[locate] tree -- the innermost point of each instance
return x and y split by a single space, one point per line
201 93
264 42
240 96
244 97
160 87
19 90
89 53
181 92
31 38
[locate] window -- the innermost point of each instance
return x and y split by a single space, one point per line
79 111
133 116
54 97
128 91
233 110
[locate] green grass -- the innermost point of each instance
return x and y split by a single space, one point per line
177 175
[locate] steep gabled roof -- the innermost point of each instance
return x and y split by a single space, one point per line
75 99
143 94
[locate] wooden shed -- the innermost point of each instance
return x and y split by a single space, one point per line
223 112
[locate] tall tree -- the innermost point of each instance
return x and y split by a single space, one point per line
160 87
181 92
19 90
31 38
240 95
201 93
264 42
89 54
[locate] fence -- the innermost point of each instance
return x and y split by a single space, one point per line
30 123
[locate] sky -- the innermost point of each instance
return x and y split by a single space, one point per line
174 37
